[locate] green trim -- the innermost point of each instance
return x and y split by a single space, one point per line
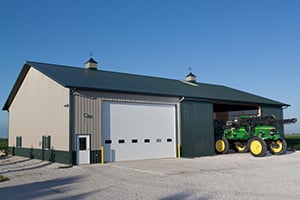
74 157
95 156
63 157
51 155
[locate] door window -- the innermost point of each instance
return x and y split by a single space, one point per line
82 144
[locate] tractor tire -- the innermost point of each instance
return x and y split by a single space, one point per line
242 147
257 147
278 147
221 145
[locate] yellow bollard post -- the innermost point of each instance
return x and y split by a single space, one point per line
102 155
178 151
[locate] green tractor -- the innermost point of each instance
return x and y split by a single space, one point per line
254 134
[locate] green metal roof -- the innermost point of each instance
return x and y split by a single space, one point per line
81 78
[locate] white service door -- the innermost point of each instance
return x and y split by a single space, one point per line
133 131
83 149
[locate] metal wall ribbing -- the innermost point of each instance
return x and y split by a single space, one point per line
87 119
277 111
197 129
87 111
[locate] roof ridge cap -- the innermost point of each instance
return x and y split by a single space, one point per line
31 63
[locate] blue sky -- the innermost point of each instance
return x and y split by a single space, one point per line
252 46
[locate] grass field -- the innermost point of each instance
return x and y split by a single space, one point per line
293 141
3 178
3 144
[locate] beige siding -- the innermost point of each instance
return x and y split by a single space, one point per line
41 107
87 111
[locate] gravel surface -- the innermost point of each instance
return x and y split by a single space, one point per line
231 176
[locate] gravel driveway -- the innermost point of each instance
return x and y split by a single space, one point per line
231 176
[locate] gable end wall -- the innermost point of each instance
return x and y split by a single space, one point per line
40 107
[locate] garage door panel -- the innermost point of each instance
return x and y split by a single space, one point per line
142 150
138 131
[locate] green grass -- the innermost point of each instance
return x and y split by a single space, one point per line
3 144
3 178
293 141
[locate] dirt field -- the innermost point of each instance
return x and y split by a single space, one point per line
231 176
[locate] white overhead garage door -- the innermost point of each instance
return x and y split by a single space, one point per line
133 131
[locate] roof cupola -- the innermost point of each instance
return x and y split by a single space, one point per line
190 78
91 64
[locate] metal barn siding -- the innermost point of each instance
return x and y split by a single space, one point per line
87 110
39 110
87 115
277 111
70 99
197 129
87 121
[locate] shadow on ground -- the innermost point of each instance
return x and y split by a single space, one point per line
5 160
49 189
183 196
21 165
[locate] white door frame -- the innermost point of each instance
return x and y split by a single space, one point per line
83 149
